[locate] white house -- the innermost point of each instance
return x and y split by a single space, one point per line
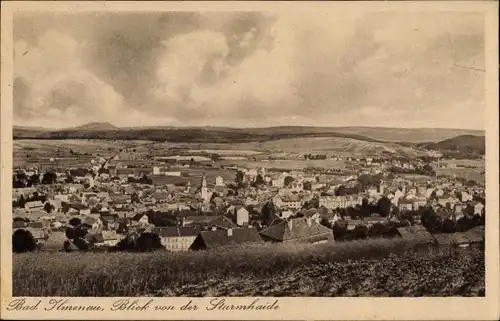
242 216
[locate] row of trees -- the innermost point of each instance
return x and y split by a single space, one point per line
427 170
313 157
23 241
377 230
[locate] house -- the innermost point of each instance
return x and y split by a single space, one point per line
92 222
419 202
459 208
231 236
286 214
416 233
465 197
177 238
298 230
139 219
478 208
405 205
351 224
288 202
242 216
55 241
208 222
334 202
33 205
19 224
104 238
460 240
38 235
371 220
110 238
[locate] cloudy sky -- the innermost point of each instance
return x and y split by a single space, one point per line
250 69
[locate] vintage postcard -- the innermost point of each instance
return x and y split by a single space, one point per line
250 160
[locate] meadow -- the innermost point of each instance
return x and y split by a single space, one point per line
358 268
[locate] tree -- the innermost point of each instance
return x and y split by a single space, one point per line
48 207
339 231
367 180
134 198
75 221
49 178
376 230
431 221
147 242
23 241
268 213
33 180
360 232
69 178
428 170
64 207
21 202
313 203
384 206
239 178
77 232
288 180
259 180
464 224
449 226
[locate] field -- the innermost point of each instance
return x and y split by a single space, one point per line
40 151
286 164
466 173
337 146
358 268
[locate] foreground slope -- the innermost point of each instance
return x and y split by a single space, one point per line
359 268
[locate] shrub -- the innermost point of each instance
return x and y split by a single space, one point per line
23 241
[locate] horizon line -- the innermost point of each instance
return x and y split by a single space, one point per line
233 127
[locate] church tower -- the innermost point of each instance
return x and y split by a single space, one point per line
204 189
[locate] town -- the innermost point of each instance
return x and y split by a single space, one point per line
188 200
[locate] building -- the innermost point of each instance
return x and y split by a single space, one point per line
242 217
416 233
232 236
405 205
298 230
177 239
139 219
219 181
334 202
478 208
288 202
204 189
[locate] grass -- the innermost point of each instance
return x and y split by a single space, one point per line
358 268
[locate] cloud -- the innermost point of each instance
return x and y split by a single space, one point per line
251 69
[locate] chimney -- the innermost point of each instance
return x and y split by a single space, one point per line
229 232
290 224
214 228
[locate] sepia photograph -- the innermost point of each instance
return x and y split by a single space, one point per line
258 153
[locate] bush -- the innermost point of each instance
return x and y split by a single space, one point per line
23 241
146 242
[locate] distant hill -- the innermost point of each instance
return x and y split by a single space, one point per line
408 135
462 143
181 134
103 130
97 126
